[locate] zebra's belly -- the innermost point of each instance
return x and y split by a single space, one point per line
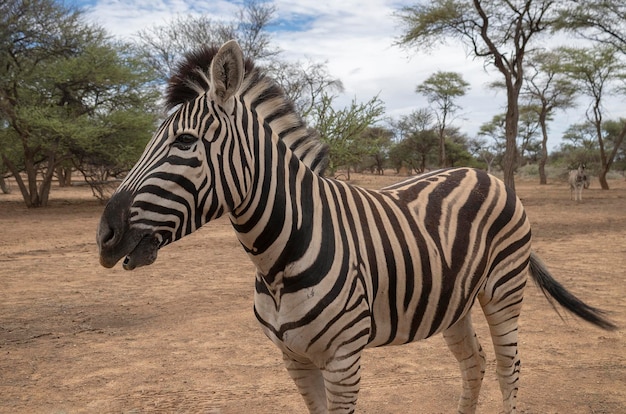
426 310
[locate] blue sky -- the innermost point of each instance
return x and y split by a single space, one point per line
356 40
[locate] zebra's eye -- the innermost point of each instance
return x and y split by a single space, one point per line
184 141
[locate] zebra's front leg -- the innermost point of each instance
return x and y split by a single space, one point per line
342 377
310 383
333 389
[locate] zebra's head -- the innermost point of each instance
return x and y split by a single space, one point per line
199 164
181 180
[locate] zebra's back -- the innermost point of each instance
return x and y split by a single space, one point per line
398 265
418 252
452 228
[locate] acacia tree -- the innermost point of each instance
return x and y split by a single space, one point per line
497 31
416 140
484 150
593 71
494 131
304 83
163 45
547 89
579 146
526 137
457 149
598 21
374 144
581 137
601 22
63 88
441 90
341 128
614 133
528 130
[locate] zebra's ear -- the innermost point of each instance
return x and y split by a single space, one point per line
227 72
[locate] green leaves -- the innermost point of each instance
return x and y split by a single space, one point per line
65 91
428 24
342 129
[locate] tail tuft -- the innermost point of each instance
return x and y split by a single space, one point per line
554 290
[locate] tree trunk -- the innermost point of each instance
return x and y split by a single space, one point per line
513 72
543 180
20 182
604 164
607 161
602 178
509 160
64 175
46 185
3 186
442 148
34 195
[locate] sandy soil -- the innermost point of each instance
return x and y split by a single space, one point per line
180 336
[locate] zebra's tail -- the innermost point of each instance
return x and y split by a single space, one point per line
554 290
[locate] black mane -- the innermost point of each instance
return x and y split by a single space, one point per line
191 76
191 79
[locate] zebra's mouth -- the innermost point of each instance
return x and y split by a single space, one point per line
145 253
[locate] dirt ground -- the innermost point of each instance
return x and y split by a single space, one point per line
180 336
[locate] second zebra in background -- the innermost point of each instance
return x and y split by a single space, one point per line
578 180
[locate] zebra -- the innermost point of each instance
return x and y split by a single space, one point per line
577 181
338 268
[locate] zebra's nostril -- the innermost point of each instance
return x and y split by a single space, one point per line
105 235
113 222
108 236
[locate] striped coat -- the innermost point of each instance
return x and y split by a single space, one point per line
578 180
339 268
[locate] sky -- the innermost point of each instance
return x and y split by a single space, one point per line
356 39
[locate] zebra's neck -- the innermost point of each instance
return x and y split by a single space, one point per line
280 212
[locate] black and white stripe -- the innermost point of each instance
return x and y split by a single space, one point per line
339 268
577 181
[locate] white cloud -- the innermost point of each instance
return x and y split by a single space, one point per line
125 18
356 38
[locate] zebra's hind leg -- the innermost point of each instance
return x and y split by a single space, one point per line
463 343
502 314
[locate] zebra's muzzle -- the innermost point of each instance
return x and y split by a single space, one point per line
145 253
117 239
135 253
